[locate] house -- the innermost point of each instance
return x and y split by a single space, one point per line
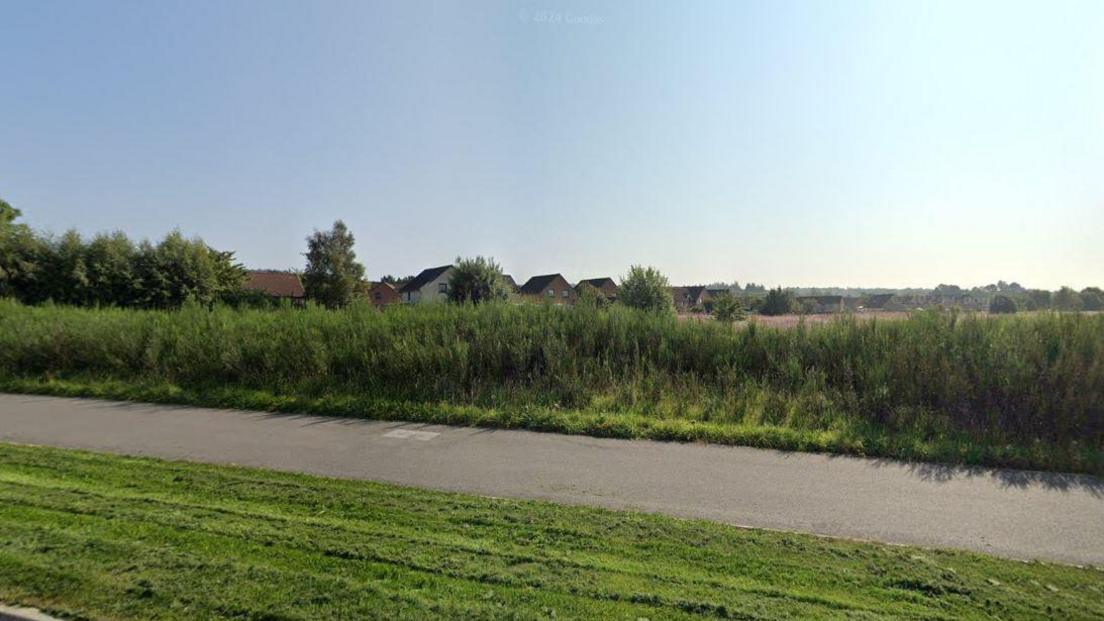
431 285
276 284
552 288
689 298
821 303
510 282
382 293
876 302
605 286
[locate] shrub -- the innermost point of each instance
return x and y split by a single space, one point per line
645 288
778 302
477 280
727 308
1002 304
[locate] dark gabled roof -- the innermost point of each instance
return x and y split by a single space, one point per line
424 278
537 284
596 282
695 292
277 284
510 281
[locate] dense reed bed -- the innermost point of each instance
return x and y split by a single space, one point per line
1024 391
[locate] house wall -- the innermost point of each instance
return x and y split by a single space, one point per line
431 292
381 295
608 289
562 293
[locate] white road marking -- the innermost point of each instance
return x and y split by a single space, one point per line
411 434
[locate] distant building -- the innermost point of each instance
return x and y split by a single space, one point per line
606 286
552 288
431 285
688 298
510 282
276 284
877 301
822 303
382 294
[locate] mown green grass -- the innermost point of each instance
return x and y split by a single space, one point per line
1022 392
96 536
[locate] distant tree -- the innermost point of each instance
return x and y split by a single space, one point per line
395 281
178 269
17 251
333 274
1038 299
1092 299
477 280
1067 299
778 302
754 288
728 308
646 288
110 266
1002 304
65 274
947 290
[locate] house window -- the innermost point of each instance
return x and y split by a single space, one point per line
442 287
551 293
563 293
379 296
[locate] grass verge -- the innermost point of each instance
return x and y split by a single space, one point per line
90 535
857 439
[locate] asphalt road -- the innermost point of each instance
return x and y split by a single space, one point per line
1017 514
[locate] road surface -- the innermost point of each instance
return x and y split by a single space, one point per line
1017 514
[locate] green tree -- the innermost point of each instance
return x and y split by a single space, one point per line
179 269
728 308
333 273
778 302
1092 299
477 280
1038 299
646 288
110 262
1002 304
1067 299
18 250
66 274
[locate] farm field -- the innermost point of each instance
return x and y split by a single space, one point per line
1022 392
92 535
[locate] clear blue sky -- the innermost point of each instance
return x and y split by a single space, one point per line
804 143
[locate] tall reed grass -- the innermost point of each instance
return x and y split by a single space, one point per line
1018 380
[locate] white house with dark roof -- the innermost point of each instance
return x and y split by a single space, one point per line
431 285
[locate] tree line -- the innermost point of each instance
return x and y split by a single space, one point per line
110 269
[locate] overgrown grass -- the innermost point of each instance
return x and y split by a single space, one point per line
1013 391
96 536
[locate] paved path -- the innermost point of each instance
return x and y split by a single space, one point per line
1018 514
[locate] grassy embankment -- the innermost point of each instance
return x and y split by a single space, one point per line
1012 391
89 536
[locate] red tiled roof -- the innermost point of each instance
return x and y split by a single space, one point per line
276 284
